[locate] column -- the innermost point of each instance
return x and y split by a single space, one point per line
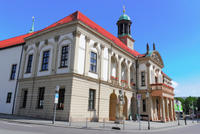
87 55
174 114
109 64
163 109
75 48
167 109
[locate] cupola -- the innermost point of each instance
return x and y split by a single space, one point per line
124 30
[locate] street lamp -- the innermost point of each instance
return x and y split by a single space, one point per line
56 96
147 95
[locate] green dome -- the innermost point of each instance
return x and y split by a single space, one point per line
124 17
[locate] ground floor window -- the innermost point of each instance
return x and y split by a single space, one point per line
144 105
41 97
91 101
25 93
60 105
9 95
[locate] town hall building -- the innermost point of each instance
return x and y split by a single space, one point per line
92 68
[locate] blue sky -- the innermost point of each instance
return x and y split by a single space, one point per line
174 26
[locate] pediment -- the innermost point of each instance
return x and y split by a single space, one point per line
155 56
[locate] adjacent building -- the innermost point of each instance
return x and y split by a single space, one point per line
91 66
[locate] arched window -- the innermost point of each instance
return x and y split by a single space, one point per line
113 67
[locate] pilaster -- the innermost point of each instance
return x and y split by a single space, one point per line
55 55
75 48
109 64
87 55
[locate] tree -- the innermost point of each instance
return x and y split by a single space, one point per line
190 103
198 103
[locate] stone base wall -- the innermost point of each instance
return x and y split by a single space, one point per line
75 102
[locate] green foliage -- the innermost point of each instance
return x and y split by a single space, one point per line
189 104
198 103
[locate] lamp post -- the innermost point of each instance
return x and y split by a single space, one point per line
147 95
56 96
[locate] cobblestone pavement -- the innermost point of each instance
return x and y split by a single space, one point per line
127 126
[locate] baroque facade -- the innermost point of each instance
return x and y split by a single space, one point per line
91 67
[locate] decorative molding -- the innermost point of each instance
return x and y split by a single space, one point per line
25 47
76 33
37 44
56 38
46 42
87 39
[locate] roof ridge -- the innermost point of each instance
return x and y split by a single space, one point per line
83 18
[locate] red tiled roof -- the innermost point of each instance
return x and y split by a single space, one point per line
75 16
14 41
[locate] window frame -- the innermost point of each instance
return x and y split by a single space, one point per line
13 71
24 101
41 92
66 58
29 63
61 99
93 64
45 63
143 79
144 107
9 97
93 100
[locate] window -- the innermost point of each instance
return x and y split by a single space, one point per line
156 79
64 56
8 100
41 98
143 78
144 105
45 61
91 102
25 93
29 63
60 105
13 71
93 62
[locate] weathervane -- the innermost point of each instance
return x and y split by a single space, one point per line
32 28
124 10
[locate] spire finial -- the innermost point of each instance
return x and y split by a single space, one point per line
147 48
32 28
154 46
124 10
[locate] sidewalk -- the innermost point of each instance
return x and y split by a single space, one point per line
127 126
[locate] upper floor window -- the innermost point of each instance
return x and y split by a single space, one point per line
45 60
91 102
13 71
29 63
9 95
93 62
143 78
64 56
